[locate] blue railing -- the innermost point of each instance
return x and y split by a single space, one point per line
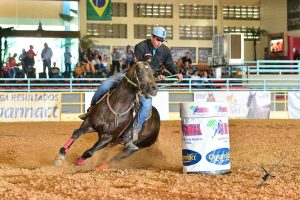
276 67
88 84
282 75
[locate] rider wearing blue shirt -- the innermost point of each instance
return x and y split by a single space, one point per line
160 54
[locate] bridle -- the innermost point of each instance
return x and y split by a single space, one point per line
138 83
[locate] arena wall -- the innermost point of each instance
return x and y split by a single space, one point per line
68 105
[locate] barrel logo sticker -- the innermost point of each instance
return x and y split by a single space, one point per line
219 127
190 157
221 109
219 156
197 109
191 129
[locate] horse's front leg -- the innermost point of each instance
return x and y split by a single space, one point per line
102 142
61 157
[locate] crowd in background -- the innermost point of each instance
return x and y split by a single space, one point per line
91 64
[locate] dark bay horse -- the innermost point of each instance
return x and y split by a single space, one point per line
113 115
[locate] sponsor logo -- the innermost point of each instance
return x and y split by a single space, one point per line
191 129
219 127
197 109
190 157
219 156
221 109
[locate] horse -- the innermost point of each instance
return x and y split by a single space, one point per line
113 116
254 110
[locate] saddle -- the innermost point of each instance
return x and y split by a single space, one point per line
135 106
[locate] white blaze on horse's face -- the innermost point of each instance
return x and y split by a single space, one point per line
146 79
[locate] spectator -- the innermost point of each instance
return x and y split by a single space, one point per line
79 70
180 66
9 71
205 76
22 59
92 54
104 65
67 56
46 58
296 55
96 62
29 61
55 71
31 73
196 80
187 70
128 54
88 67
123 65
115 56
187 58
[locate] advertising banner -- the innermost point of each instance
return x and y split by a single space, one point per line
30 107
293 105
242 104
160 102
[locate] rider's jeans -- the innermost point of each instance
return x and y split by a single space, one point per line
113 81
108 84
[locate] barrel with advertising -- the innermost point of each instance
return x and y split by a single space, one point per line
205 131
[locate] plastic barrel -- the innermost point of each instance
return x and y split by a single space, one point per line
205 137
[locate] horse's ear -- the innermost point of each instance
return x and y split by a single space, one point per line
134 59
149 59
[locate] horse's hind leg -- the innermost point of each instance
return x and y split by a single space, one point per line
123 154
103 141
84 128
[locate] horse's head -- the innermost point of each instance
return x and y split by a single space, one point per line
251 99
140 75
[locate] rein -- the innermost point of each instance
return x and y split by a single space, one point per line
167 85
131 82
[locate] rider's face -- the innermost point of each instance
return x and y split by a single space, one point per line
156 42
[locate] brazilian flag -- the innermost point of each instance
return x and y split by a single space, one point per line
98 9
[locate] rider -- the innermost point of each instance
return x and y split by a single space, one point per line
160 54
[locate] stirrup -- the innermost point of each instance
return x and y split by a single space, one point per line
131 146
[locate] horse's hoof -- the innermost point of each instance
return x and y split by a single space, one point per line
102 167
59 160
80 161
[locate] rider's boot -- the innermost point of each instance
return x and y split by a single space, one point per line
84 115
131 143
129 138
131 146
144 113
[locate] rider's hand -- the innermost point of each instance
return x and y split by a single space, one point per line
161 77
179 77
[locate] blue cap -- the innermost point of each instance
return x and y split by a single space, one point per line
160 32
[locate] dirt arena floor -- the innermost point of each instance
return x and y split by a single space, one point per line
27 151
